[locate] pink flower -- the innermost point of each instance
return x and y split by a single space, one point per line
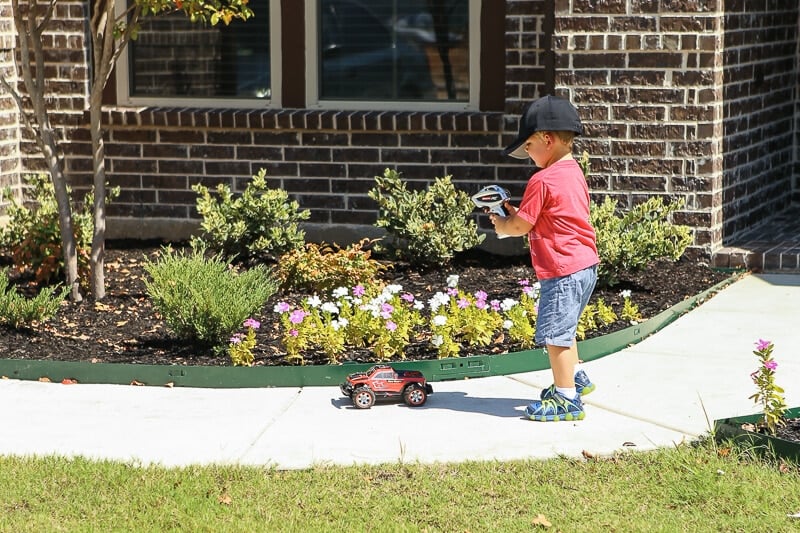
762 345
452 292
495 305
408 297
236 339
481 304
282 307
463 303
481 296
391 326
252 323
293 332
359 290
770 365
524 282
297 316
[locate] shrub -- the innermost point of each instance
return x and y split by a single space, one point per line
33 234
17 310
427 227
322 268
261 224
629 242
201 298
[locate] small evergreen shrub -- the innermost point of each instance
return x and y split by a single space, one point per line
322 268
261 224
629 242
427 227
17 310
201 298
33 234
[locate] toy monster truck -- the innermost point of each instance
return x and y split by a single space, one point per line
383 381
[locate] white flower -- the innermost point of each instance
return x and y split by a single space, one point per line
439 320
419 306
340 292
338 324
508 304
437 300
625 294
437 340
330 307
313 301
393 289
452 281
507 324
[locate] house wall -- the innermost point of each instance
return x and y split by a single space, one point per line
662 87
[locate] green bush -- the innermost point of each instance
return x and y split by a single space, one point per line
201 298
322 268
629 242
261 224
33 234
17 310
427 227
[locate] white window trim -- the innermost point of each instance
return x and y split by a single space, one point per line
122 76
312 79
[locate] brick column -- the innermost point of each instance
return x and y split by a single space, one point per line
647 79
9 119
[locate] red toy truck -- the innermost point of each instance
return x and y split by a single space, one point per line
383 381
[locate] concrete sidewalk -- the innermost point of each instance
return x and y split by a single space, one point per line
666 389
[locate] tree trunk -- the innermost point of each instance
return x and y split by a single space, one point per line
99 235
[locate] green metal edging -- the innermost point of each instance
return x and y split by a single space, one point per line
730 429
328 375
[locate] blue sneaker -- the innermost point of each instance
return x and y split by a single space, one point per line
583 386
555 408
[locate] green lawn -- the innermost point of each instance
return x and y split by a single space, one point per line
698 487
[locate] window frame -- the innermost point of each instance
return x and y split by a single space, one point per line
122 78
312 69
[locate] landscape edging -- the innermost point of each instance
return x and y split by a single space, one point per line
328 375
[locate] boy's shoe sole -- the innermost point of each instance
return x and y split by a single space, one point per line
556 409
583 386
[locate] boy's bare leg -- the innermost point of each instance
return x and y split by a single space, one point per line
563 361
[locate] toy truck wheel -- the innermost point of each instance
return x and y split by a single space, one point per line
363 398
415 396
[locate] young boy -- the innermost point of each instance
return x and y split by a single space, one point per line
554 213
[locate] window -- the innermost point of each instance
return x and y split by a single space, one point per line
412 54
173 58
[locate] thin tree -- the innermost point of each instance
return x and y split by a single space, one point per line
110 34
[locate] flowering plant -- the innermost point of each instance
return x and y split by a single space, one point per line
241 345
769 395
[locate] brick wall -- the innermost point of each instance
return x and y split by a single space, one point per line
658 83
760 94
9 118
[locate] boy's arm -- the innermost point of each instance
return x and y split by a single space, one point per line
512 225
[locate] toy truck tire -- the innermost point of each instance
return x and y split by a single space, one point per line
363 398
415 396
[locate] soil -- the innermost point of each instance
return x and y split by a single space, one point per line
791 431
124 327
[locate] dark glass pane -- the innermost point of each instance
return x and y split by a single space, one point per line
173 57
393 50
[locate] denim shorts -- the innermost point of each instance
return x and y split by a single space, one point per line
561 303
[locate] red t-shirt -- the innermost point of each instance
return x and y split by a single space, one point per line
556 203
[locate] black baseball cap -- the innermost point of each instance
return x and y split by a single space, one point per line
548 113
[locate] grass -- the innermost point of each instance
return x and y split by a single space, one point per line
694 488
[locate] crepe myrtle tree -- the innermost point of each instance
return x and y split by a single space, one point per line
111 31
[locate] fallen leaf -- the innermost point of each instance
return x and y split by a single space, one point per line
100 306
587 455
628 443
121 323
69 381
44 379
795 515
169 385
225 499
137 383
3 377
542 521
95 360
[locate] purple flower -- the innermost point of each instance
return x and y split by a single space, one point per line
762 345
523 282
495 305
770 365
297 316
359 290
282 307
452 292
408 297
236 339
481 304
252 323
463 303
391 326
481 296
293 332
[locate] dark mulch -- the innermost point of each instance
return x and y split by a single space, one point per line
124 328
